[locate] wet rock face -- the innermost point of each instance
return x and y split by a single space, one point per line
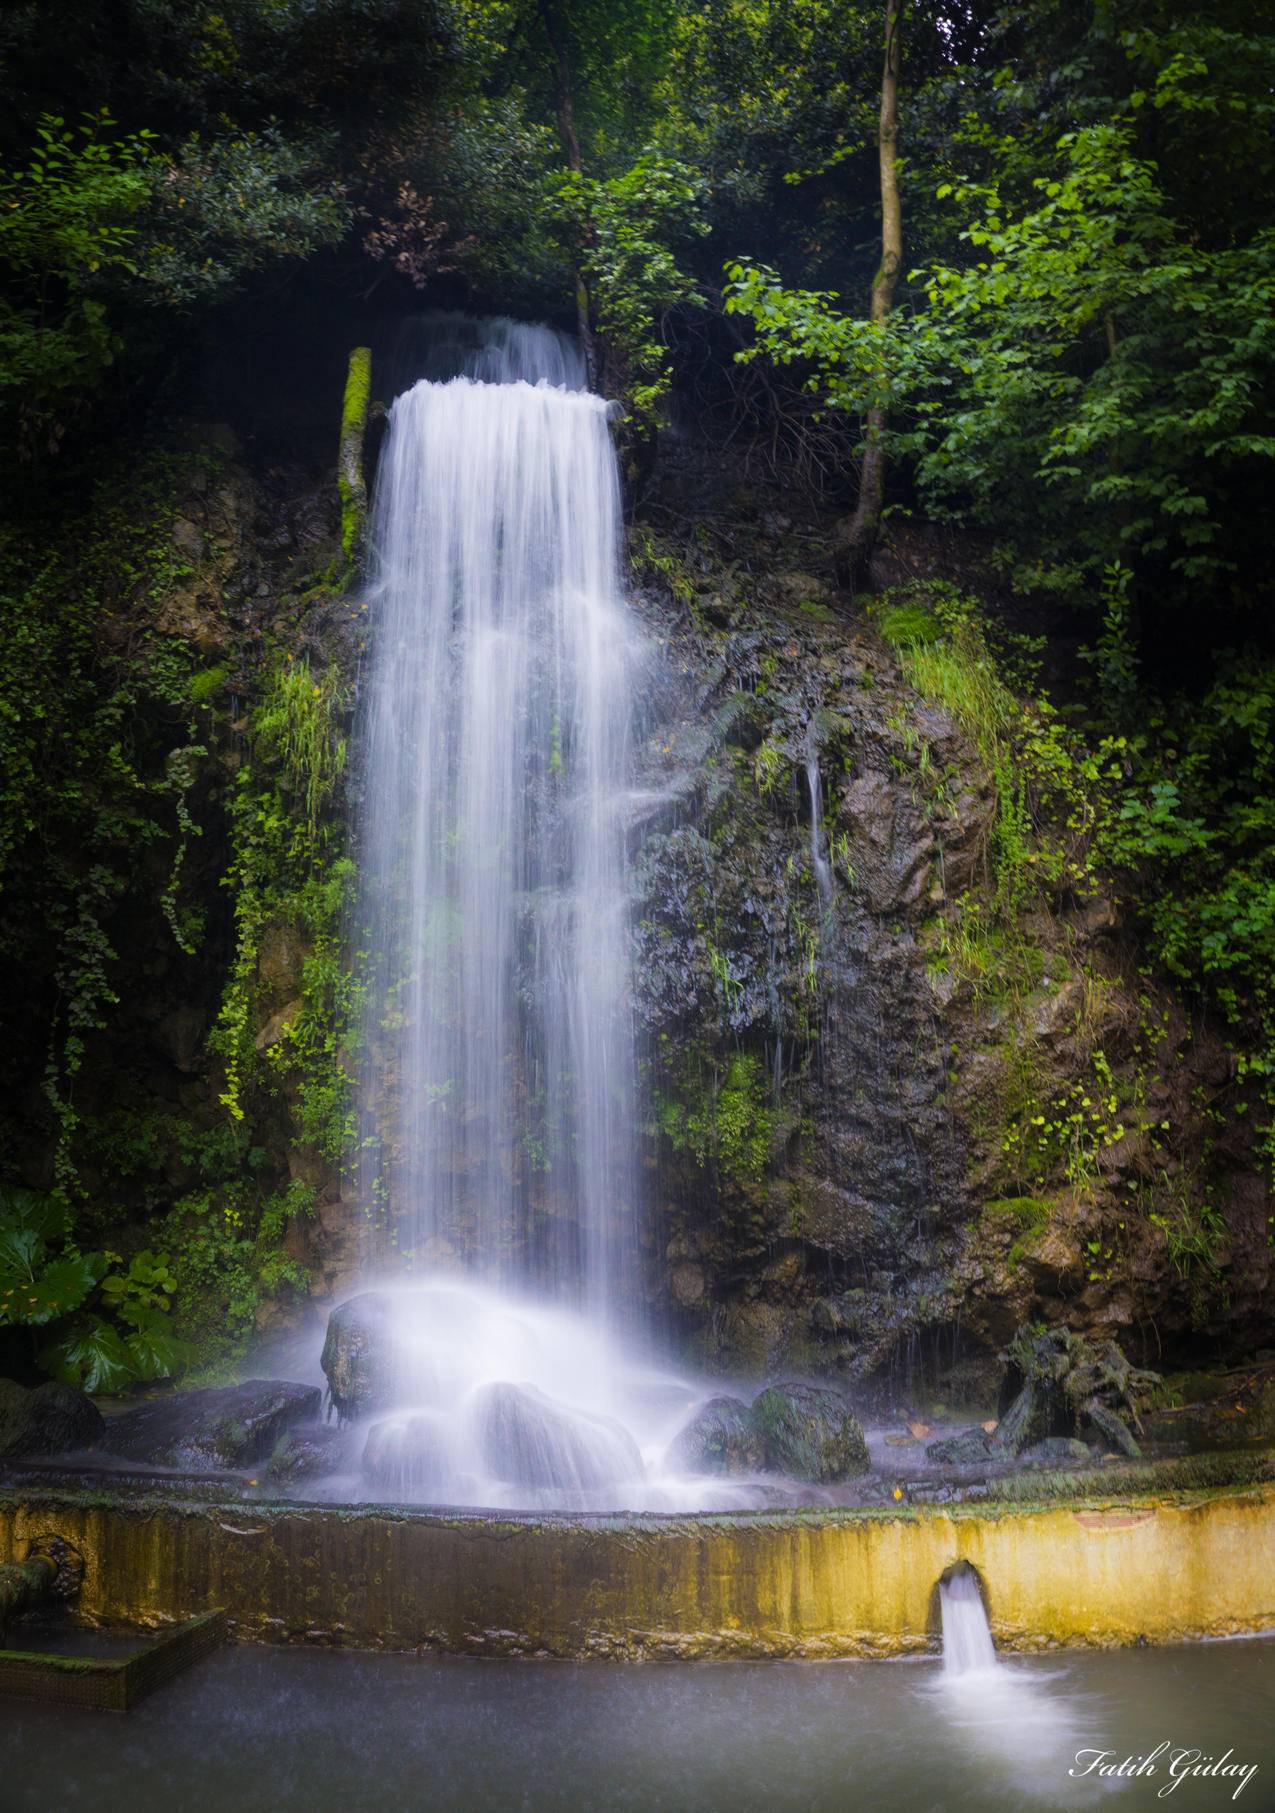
810 1432
793 1045
212 1428
51 1419
721 1438
529 1441
358 1356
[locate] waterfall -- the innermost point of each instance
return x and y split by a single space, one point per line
819 862
502 1360
495 754
967 1639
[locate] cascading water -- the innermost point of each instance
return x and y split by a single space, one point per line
967 1637
496 754
501 1083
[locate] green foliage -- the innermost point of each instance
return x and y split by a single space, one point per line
105 1328
219 211
67 216
285 874
727 1127
231 1235
1052 792
100 745
1097 375
620 231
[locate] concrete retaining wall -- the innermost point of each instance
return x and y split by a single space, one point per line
818 1583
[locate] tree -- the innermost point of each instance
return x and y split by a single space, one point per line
854 547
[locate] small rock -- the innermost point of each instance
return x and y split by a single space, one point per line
51 1419
408 1454
971 1448
306 1452
687 1284
1056 1451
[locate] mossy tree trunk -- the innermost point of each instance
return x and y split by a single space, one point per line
351 483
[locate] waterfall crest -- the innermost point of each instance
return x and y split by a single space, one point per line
496 750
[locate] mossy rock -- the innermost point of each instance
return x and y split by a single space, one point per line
721 1438
359 1356
810 1432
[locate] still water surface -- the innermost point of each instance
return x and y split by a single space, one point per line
255 1729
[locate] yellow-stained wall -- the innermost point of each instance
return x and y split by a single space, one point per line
812 1584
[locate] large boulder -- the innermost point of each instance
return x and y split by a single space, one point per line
527 1439
810 1432
219 1426
720 1438
51 1419
359 1356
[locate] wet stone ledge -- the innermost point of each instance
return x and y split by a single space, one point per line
1097 1570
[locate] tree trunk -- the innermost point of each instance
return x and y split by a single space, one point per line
571 145
854 548
350 481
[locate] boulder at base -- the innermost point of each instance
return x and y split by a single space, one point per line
218 1426
51 1419
408 1454
720 1438
359 1356
810 1432
528 1440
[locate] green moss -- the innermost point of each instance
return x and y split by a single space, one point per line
1031 1213
725 1121
205 685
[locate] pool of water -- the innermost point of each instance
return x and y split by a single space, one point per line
264 1729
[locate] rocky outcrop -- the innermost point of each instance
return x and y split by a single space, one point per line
216 1427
